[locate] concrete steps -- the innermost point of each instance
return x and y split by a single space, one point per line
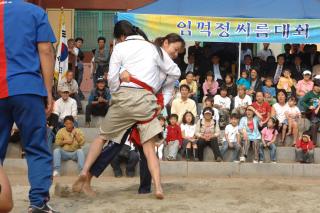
196 169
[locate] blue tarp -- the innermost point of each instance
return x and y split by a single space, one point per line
285 9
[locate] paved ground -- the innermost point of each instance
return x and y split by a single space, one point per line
250 195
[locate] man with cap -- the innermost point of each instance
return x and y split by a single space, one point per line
311 104
64 106
26 91
98 102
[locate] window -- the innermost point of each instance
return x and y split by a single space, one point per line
91 24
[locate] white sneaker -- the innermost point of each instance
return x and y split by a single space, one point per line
261 161
56 173
236 161
242 159
255 161
274 162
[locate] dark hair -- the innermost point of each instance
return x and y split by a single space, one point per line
230 76
307 133
210 73
68 118
184 120
69 71
185 86
282 91
276 124
125 28
247 56
208 99
174 116
281 55
101 38
293 98
223 87
242 71
234 115
79 39
189 73
255 96
171 38
206 109
93 51
215 55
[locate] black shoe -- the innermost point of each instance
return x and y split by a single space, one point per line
130 174
117 174
44 209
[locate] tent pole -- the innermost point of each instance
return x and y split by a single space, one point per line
239 60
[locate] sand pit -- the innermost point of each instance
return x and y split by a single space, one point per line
249 195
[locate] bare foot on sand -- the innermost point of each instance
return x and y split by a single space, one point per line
159 195
78 185
87 190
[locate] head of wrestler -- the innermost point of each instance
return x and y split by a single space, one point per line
68 122
172 43
123 29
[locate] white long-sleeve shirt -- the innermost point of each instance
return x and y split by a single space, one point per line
142 60
64 108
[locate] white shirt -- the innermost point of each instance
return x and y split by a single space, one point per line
231 132
76 53
216 71
224 102
142 60
65 108
246 101
264 54
189 130
293 112
277 75
280 111
190 68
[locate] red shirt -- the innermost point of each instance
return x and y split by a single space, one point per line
305 146
174 133
263 109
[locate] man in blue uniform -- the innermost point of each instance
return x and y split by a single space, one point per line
25 91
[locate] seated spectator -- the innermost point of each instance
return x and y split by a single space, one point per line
231 138
174 137
311 105
247 63
98 103
69 141
192 85
288 57
231 86
304 86
305 149
190 66
209 103
255 83
130 156
265 52
208 133
244 80
249 127
219 71
286 82
188 129
276 73
160 145
263 108
6 202
293 115
63 107
223 103
269 99
210 86
268 138
241 101
268 87
184 103
72 84
278 111
298 68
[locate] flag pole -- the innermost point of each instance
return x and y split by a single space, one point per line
56 80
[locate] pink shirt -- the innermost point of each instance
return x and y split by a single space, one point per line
267 134
213 88
304 87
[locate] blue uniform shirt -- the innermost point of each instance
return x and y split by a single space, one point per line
22 27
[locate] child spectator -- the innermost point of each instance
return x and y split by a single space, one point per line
269 136
269 99
174 137
231 86
188 129
69 141
223 103
210 86
263 108
241 101
286 82
160 145
268 87
244 80
305 149
249 127
293 115
232 138
207 133
190 81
